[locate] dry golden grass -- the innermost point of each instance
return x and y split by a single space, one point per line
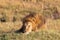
12 11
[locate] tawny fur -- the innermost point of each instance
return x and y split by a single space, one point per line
36 19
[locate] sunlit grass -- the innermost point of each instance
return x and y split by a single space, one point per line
12 11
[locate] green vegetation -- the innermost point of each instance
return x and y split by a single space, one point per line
42 35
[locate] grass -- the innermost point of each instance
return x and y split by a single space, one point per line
12 11
41 35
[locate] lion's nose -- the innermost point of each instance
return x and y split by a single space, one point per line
24 31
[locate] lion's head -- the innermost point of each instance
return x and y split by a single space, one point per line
27 27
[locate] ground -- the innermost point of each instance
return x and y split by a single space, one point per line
17 9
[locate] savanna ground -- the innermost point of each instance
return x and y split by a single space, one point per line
12 11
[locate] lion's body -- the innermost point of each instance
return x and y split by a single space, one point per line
36 21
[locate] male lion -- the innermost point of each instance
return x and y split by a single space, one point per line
32 22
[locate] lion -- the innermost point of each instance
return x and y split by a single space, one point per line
32 22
